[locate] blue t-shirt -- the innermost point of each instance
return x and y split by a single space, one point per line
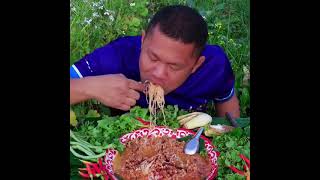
213 80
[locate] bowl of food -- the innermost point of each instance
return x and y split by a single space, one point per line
157 153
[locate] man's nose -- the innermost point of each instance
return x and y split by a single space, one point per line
160 72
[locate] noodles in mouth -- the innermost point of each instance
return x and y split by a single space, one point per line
155 100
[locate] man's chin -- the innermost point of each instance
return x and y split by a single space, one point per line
166 92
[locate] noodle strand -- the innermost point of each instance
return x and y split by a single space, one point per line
155 100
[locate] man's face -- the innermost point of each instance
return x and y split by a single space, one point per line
165 61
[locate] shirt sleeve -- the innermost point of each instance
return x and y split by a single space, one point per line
226 90
104 60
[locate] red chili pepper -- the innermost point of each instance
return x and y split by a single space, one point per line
142 121
100 162
246 171
101 166
83 175
103 169
91 174
96 168
245 167
236 170
105 176
245 159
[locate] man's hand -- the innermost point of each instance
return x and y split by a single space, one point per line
231 106
113 90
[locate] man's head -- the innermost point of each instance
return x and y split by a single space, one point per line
172 46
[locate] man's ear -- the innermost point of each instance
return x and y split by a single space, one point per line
198 63
143 33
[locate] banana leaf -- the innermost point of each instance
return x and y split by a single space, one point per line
242 122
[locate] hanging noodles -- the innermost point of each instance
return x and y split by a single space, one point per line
155 100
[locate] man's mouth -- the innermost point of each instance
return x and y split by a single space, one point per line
156 83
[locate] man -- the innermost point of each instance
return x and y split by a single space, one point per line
172 53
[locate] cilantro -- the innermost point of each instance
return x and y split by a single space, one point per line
230 145
171 114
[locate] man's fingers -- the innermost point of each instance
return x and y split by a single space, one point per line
136 85
127 104
124 107
133 94
130 102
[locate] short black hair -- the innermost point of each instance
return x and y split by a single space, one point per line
181 23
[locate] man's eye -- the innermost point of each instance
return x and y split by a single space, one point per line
153 59
174 67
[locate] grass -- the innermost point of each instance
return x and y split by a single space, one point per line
94 23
